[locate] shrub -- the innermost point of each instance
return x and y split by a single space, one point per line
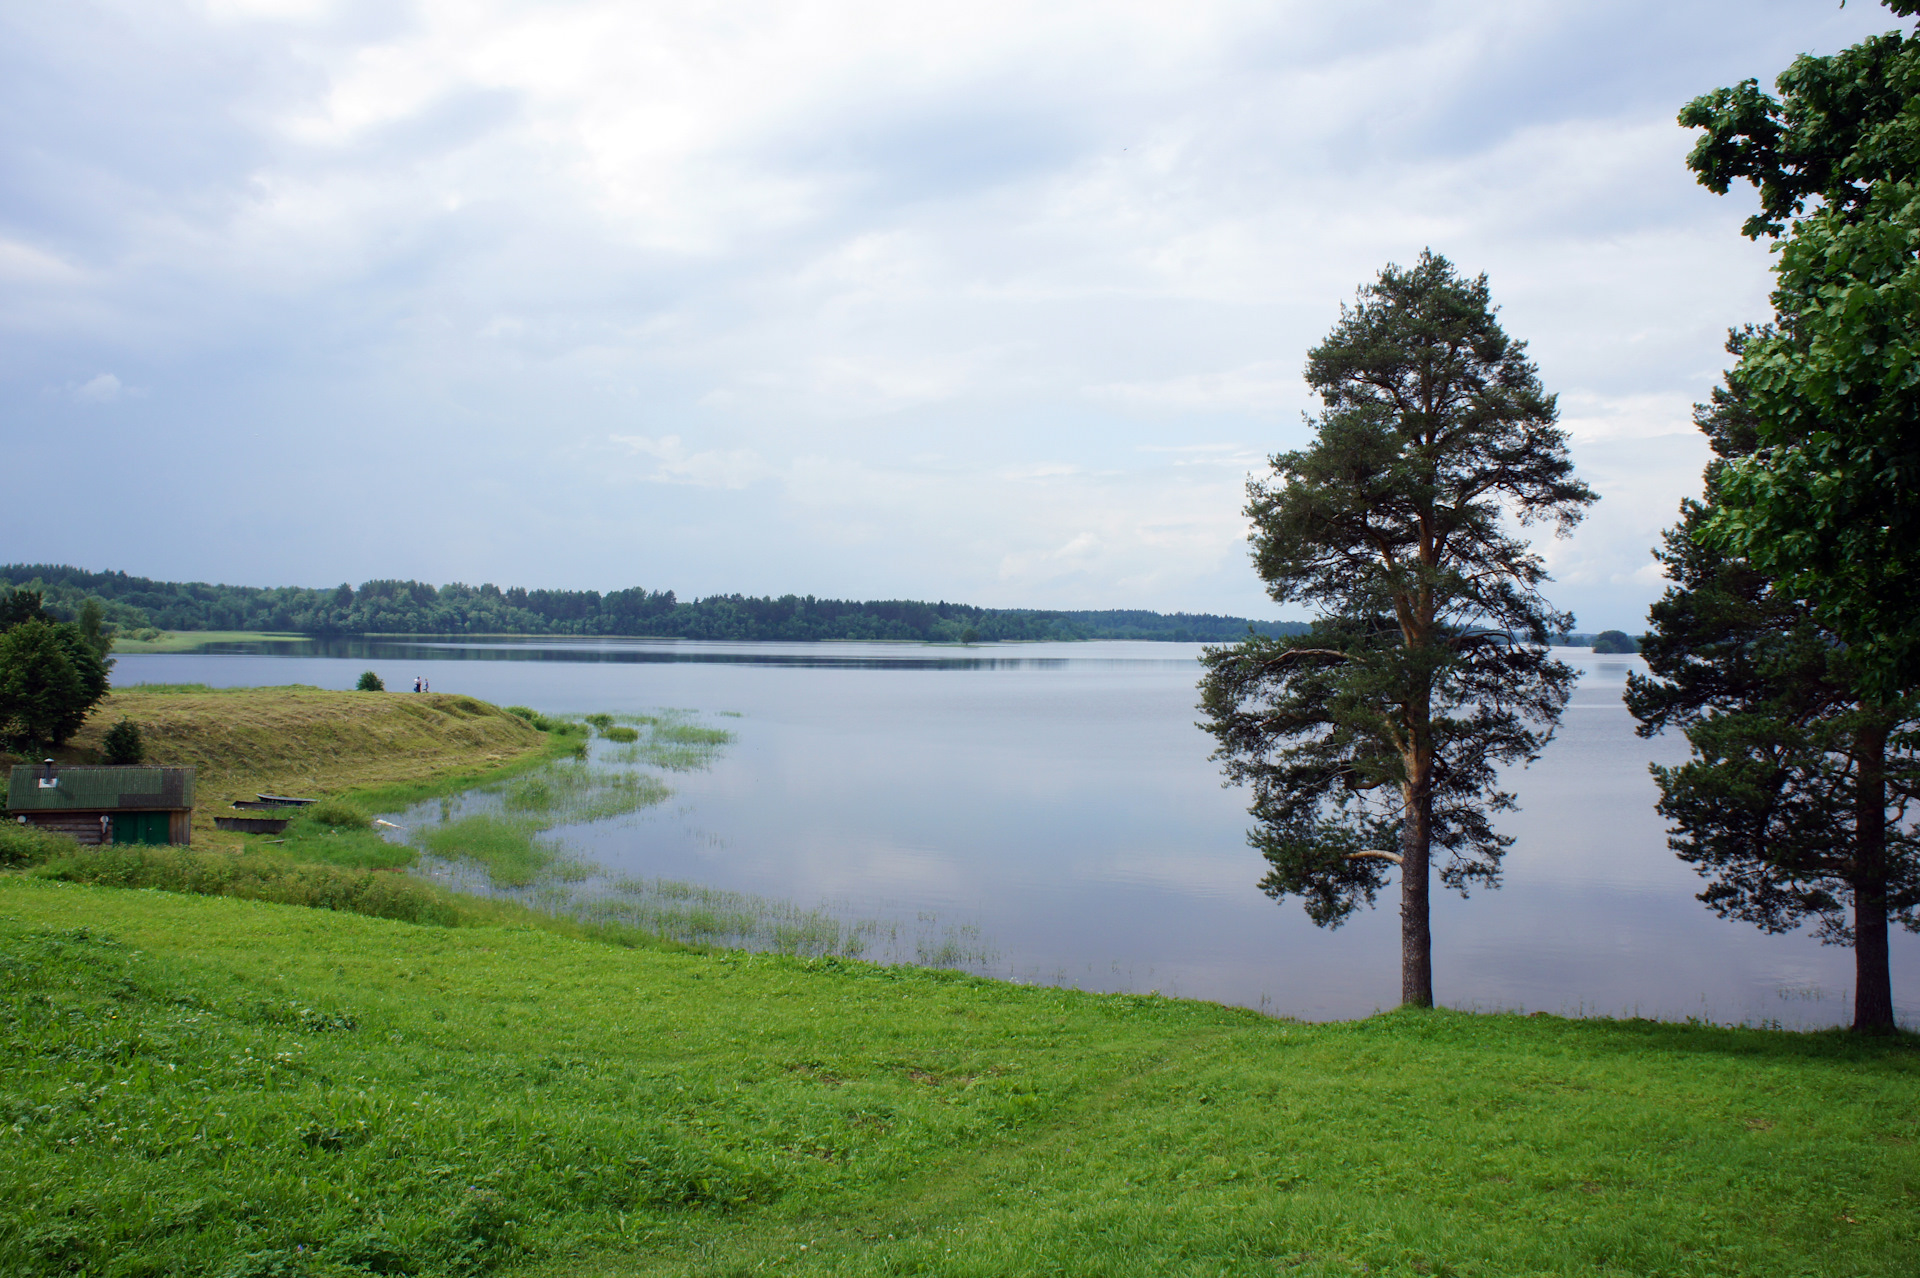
122 744
370 682
253 877
30 845
337 813
623 735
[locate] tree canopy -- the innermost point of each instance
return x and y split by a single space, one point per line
418 607
1824 500
1793 801
1384 726
52 673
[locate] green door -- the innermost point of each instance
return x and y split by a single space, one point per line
140 827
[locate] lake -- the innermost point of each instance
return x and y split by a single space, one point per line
1055 804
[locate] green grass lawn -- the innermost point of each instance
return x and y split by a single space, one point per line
228 1087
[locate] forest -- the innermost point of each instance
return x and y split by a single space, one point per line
133 604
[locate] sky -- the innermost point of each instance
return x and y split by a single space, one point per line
997 303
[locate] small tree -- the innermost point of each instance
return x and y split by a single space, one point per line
50 680
1383 728
122 744
1793 803
370 682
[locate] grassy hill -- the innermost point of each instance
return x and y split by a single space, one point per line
308 742
197 1085
204 1084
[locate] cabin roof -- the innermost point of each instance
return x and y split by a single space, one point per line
99 787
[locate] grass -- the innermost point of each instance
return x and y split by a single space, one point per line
672 741
504 837
222 1086
189 640
380 749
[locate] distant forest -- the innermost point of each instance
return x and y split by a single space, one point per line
134 604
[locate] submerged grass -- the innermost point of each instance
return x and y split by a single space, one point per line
228 1087
672 741
505 839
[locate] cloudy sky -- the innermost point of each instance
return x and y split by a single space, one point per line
991 302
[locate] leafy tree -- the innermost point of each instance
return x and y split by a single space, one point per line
17 606
1384 726
122 743
1614 641
50 680
1793 802
93 628
370 682
1824 501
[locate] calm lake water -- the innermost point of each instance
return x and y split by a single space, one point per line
1059 799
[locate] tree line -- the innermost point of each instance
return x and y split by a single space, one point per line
134 604
1786 648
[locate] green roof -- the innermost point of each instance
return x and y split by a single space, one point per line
89 788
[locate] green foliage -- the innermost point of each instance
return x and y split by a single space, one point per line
1824 502
370 681
337 813
93 628
1793 802
30 845
1384 726
600 721
50 680
1613 642
204 1086
622 734
122 743
256 876
414 607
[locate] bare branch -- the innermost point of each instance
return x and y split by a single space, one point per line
1375 854
1291 653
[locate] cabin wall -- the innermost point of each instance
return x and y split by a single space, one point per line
84 826
81 827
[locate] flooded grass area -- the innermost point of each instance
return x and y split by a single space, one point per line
509 840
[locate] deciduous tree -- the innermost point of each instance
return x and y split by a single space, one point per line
1793 804
1824 501
1376 738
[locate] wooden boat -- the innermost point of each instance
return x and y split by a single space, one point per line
251 825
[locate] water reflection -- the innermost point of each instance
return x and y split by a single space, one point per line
1060 798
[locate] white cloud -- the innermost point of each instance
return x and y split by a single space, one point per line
711 468
103 389
993 301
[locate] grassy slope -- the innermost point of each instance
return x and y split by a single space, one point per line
232 1082
246 741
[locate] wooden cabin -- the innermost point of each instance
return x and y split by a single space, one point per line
98 805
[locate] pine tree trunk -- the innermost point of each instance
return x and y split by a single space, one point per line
1873 979
1416 936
